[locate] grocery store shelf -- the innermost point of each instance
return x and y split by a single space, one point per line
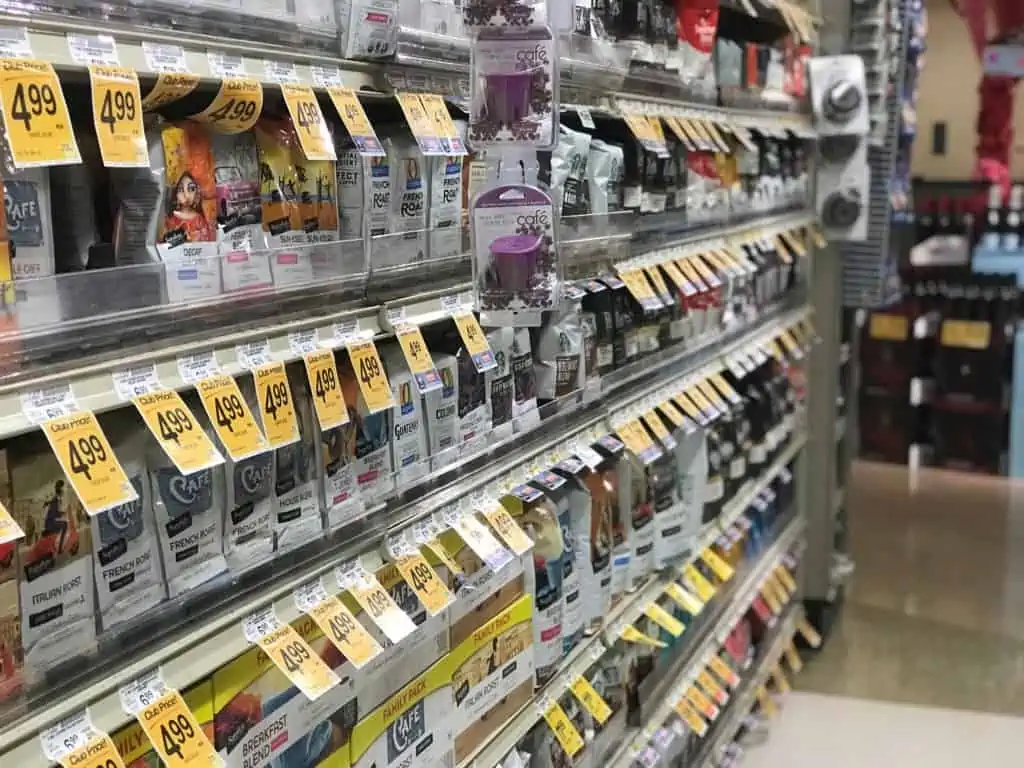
630 609
744 700
686 667
214 636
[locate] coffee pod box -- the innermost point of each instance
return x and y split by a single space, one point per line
413 728
492 675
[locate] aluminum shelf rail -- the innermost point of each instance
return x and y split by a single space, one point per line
194 652
628 611
685 668
743 701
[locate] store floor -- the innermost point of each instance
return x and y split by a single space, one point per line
927 659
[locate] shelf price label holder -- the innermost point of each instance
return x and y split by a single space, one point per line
174 80
76 743
170 725
290 653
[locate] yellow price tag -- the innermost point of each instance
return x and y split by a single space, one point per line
9 529
277 409
789 342
691 717
100 752
640 288
475 341
168 88
591 700
231 418
684 599
676 276
344 631
435 107
324 383
966 334
725 673
672 413
633 635
677 129
657 426
725 388
780 679
786 578
641 127
417 357
421 124
711 687
717 137
780 248
795 243
176 430
817 236
701 703
424 581
381 608
435 547
771 599
117 117
354 118
298 661
664 619
657 130
711 394
508 530
696 581
775 350
721 568
310 126
700 129
795 662
88 461
565 732
766 702
809 632
176 735
690 272
36 118
236 107
369 370
660 287
689 407
635 437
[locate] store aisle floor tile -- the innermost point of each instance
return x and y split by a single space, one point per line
934 613
813 731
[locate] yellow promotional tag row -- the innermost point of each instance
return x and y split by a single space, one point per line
725 673
177 431
711 687
176 734
354 118
88 461
344 631
230 416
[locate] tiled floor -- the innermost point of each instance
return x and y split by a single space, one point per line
934 622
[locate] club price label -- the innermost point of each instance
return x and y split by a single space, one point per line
417 357
720 568
565 732
696 581
691 717
641 290
631 634
508 530
781 683
277 410
379 606
660 287
421 124
341 628
117 117
100 752
296 659
437 549
657 426
701 703
769 596
638 440
325 384
89 462
784 576
176 430
711 687
354 118
168 88
481 541
436 109
369 370
672 412
725 388
424 581
176 735
793 658
36 118
725 673
231 418
684 599
591 700
310 126
766 702
475 341
664 619
795 243
236 107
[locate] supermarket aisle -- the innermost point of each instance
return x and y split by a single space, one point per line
926 667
